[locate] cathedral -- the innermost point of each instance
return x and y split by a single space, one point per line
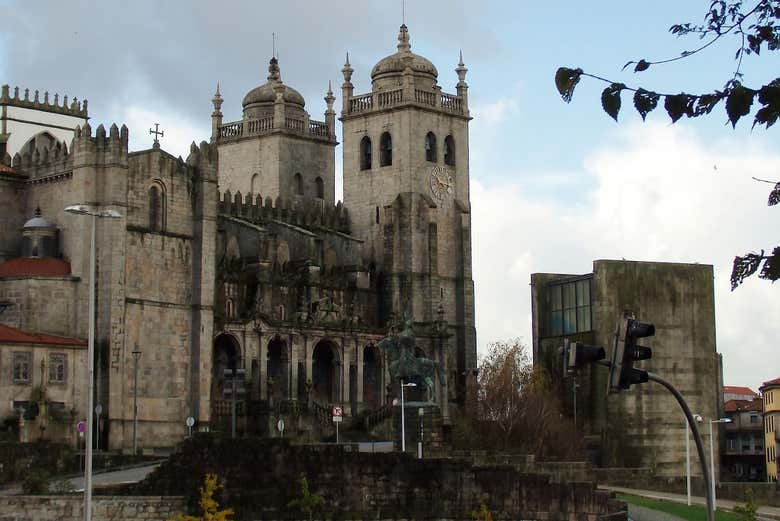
237 258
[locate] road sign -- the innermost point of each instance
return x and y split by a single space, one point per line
98 409
280 425
338 413
190 421
81 427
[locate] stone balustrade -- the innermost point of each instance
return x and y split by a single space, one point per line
381 100
256 127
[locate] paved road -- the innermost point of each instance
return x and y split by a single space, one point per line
117 477
764 512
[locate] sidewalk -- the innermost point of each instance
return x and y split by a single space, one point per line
764 512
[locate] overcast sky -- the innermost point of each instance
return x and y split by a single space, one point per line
554 186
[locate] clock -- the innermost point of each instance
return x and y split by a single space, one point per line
442 183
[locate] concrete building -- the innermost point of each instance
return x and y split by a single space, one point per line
644 426
770 394
240 257
743 448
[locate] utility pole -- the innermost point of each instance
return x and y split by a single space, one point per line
136 356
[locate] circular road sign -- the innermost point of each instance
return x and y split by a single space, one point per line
280 425
81 426
190 421
98 409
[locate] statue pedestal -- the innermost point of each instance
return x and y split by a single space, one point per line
430 421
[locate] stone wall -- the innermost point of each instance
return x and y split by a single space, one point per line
262 476
18 458
104 508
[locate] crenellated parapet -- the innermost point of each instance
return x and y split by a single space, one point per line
46 102
204 158
301 212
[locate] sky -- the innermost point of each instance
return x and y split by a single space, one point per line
554 185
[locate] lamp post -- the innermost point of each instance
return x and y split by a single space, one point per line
688 455
136 356
82 209
403 421
712 462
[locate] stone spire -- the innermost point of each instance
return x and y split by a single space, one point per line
462 87
347 71
274 73
461 70
216 116
330 114
347 88
403 39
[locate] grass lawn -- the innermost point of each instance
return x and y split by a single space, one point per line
691 513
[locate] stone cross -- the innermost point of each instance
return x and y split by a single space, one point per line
157 134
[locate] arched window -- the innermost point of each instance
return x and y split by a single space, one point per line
320 186
449 151
298 184
365 153
254 185
385 150
376 216
157 208
430 147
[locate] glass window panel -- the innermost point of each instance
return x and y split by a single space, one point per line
583 293
583 318
555 298
556 322
569 321
568 296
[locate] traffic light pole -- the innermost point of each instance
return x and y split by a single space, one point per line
696 438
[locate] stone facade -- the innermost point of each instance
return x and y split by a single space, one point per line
240 258
71 508
644 426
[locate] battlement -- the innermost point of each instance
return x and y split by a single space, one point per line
75 108
302 212
89 149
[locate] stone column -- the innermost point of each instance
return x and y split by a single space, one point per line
293 369
263 363
359 347
345 359
309 350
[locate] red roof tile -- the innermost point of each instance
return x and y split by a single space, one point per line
34 266
743 405
7 169
774 382
733 389
11 335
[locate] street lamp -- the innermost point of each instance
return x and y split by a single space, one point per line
136 356
403 421
712 462
82 209
688 454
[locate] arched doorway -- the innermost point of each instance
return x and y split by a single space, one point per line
372 377
226 355
277 369
326 383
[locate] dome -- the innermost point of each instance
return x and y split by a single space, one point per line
264 94
38 222
396 63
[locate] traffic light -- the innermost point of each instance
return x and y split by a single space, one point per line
622 373
577 354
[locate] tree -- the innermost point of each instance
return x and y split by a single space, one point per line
308 502
755 28
208 505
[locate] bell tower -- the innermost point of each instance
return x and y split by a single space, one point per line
406 186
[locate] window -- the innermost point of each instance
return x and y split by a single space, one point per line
430 147
156 208
570 309
731 444
385 150
254 184
376 215
754 418
365 153
22 366
449 151
57 368
298 181
320 187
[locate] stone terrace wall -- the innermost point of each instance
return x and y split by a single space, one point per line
261 477
104 508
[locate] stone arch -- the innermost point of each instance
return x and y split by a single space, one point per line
319 188
385 149
226 354
430 147
298 183
365 153
372 377
254 184
40 142
326 374
449 150
158 203
278 368
282 253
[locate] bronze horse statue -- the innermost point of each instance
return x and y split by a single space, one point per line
402 362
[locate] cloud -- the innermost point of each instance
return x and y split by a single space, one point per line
660 193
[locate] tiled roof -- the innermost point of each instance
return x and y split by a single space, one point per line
34 266
11 335
743 405
733 389
776 381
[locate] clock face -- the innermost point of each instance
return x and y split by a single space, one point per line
442 182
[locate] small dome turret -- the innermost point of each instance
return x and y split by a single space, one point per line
259 101
386 73
39 237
